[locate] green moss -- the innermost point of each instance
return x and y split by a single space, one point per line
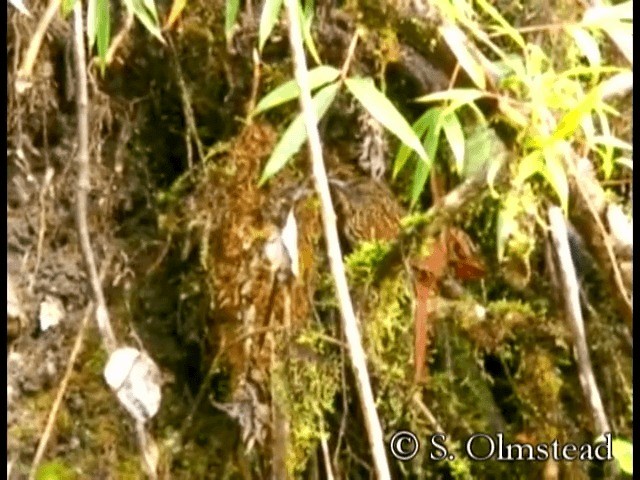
305 389
55 470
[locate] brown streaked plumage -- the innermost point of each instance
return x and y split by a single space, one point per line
367 210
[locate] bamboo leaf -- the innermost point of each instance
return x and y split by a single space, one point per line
91 23
455 137
529 166
625 162
146 13
456 40
612 141
289 90
461 95
419 127
102 31
306 17
431 142
587 45
602 14
268 19
571 120
230 14
506 27
296 134
176 9
381 108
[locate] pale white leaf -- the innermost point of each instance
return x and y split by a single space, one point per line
135 378
19 5
457 42
51 312
587 45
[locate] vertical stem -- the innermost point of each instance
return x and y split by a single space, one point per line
349 322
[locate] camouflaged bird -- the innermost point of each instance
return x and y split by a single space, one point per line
366 210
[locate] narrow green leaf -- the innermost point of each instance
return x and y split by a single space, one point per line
318 77
306 17
103 31
230 15
150 6
380 108
268 19
296 134
455 137
571 120
587 45
529 166
456 40
146 13
419 127
555 174
423 169
600 15
67 7
462 95
506 27
612 141
625 162
91 23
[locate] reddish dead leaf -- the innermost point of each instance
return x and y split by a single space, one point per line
464 256
429 270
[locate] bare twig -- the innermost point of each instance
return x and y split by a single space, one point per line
593 201
119 38
82 95
349 324
29 60
574 315
326 458
53 413
255 83
187 109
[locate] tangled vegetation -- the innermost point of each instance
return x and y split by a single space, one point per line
478 119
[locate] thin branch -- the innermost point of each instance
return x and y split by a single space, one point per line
82 96
24 74
574 315
349 324
53 413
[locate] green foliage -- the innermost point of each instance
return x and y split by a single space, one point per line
230 15
623 453
549 109
296 133
363 89
288 91
268 19
363 263
55 470
380 108
145 11
103 31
